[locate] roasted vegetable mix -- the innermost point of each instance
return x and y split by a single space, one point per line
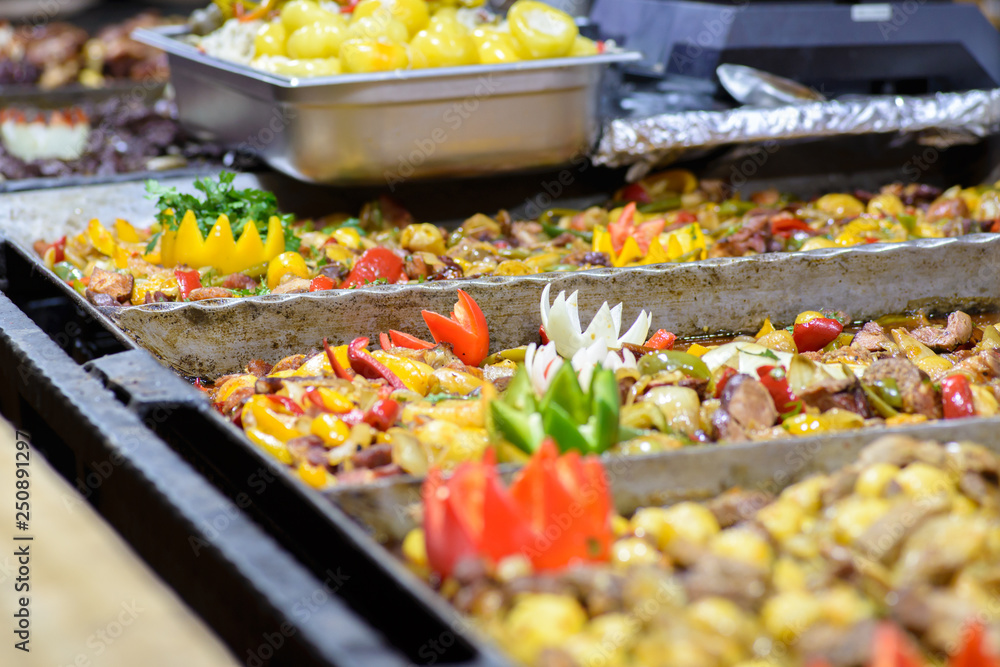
667 217
888 561
596 390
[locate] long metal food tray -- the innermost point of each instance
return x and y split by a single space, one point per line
212 338
215 338
390 127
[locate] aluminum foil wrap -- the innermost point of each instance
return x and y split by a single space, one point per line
950 118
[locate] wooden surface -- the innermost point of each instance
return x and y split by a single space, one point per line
93 602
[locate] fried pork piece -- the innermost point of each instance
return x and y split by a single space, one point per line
871 338
118 286
956 332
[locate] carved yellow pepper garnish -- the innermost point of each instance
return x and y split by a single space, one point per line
186 245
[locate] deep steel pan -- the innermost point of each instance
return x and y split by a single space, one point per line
389 127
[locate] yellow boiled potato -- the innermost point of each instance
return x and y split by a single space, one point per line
299 13
319 40
543 31
270 39
443 44
583 47
300 67
369 55
494 47
411 13
374 27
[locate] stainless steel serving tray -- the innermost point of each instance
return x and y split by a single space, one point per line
388 508
213 338
390 127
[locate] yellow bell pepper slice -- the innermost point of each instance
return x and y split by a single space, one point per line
249 249
347 237
765 329
270 444
257 414
416 375
834 419
284 263
334 401
232 384
314 476
189 246
101 238
220 246
120 256
274 244
125 232
331 429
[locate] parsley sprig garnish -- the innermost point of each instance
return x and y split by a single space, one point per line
218 197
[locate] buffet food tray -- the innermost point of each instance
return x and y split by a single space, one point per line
216 337
389 127
731 294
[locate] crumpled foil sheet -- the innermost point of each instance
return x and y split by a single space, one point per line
942 117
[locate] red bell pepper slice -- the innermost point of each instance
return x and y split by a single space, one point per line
283 402
466 330
786 226
634 192
550 487
893 648
956 397
647 231
684 218
384 341
367 366
382 414
774 380
816 334
400 339
375 264
727 374
625 227
187 281
973 653
338 370
447 536
321 283
661 340
59 250
556 513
